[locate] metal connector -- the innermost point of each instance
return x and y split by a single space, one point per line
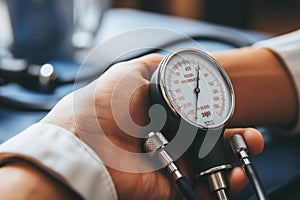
240 149
217 181
154 145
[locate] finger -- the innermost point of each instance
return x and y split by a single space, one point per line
149 58
144 66
149 63
252 137
237 180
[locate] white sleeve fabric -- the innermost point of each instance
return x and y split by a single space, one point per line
287 47
64 156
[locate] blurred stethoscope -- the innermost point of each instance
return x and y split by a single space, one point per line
44 79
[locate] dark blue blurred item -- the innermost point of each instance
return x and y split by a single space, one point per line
41 28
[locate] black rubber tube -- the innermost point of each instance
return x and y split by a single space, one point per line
255 182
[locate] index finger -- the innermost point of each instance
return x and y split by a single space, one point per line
151 62
252 137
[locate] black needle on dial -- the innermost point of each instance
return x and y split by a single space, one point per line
197 91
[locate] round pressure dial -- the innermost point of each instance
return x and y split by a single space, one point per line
196 88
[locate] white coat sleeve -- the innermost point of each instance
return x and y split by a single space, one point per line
64 156
287 47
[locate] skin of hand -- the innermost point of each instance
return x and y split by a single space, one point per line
99 95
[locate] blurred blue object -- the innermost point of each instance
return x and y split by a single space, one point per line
40 28
47 29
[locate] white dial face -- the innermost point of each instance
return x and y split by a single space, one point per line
197 89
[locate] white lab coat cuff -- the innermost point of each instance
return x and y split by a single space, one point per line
64 156
287 47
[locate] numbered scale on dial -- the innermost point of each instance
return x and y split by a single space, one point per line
195 87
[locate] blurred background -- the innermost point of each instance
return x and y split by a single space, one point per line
271 16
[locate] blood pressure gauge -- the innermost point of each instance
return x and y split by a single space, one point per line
194 89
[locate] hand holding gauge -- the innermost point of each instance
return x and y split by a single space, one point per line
195 90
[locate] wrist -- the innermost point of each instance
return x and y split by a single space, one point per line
62 115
